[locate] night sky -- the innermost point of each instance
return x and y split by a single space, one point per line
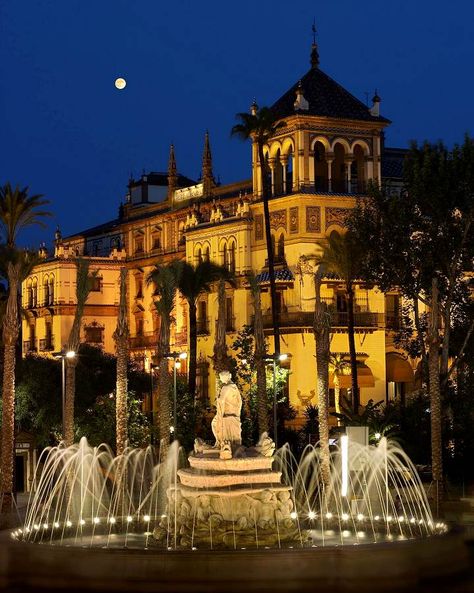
69 134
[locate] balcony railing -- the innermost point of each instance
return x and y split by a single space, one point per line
181 337
29 345
143 340
339 319
393 322
46 344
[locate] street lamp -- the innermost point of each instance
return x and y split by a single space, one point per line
63 355
176 357
274 358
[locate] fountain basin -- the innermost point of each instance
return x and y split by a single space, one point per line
398 566
236 464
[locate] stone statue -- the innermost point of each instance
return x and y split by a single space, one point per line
226 423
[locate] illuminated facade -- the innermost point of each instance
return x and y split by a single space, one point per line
331 145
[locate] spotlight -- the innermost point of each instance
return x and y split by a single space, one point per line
96 520
344 516
311 515
129 519
146 518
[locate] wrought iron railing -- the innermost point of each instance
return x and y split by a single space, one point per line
143 340
46 344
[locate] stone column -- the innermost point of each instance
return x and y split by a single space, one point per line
271 164
330 160
348 160
284 162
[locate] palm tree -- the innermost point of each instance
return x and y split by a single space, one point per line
260 126
18 211
221 360
121 334
435 390
192 282
165 280
83 288
338 365
260 355
321 327
342 256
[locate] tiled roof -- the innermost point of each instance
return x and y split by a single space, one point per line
282 275
326 98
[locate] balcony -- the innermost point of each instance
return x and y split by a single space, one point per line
29 346
181 337
144 340
46 345
339 319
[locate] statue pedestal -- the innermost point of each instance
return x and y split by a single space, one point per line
228 503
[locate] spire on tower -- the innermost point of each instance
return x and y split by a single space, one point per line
207 176
172 173
314 48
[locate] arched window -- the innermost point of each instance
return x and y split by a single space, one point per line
46 292
198 256
231 257
51 290
339 178
29 294
320 168
181 237
224 254
277 175
202 324
34 293
289 171
207 253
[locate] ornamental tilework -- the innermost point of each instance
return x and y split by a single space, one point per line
336 216
258 227
278 219
313 219
294 219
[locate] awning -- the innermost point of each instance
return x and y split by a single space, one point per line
282 275
398 369
365 377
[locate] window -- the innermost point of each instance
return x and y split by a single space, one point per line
46 292
34 294
94 283
202 380
93 334
139 325
156 242
138 244
202 318
207 256
138 287
392 311
224 255
231 258
29 295
51 291
281 248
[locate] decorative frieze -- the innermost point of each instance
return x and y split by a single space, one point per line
313 219
294 224
336 216
278 219
258 227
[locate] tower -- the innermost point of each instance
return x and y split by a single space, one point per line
207 176
172 174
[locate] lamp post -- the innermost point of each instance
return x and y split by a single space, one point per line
274 358
176 357
63 355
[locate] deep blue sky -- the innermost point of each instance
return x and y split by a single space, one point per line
69 134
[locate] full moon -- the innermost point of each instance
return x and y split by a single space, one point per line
120 83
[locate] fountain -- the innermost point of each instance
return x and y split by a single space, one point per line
226 497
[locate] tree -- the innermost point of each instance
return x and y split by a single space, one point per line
342 255
192 282
321 327
165 280
420 241
260 126
121 350
83 288
338 365
18 210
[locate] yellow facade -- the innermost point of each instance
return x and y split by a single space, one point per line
319 164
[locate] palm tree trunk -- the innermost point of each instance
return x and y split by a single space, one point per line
337 395
192 348
164 386
69 401
270 251
260 353
352 349
11 329
121 350
435 391
221 359
321 336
